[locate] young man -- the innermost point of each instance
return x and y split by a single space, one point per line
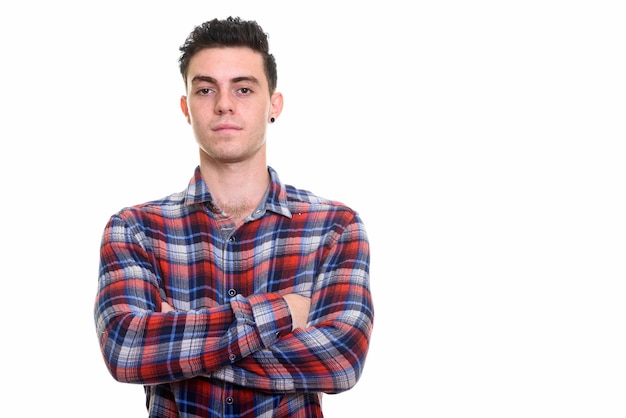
239 296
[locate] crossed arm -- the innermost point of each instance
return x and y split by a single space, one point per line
298 306
269 341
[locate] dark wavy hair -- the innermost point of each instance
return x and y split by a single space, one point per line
229 32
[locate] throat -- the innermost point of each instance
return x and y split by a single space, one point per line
238 211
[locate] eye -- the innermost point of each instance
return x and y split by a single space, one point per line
204 91
244 91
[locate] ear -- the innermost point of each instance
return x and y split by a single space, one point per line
185 108
276 104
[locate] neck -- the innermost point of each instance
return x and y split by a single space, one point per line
238 187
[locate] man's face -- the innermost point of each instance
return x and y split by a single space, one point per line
228 104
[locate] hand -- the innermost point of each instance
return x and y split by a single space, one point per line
166 307
299 306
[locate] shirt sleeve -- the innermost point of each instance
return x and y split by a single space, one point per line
329 355
140 344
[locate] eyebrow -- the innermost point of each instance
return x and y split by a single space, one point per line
208 79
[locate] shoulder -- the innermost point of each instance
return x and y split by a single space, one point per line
296 196
301 201
169 206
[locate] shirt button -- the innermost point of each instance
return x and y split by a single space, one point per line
278 334
232 292
229 400
232 357
231 239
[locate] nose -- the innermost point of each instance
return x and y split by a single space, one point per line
223 104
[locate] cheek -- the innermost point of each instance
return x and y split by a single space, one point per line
194 115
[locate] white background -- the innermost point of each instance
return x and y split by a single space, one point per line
481 141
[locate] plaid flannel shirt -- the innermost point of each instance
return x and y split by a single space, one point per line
229 349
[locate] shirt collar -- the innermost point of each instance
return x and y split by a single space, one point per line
197 192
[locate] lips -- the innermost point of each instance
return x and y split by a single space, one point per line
225 126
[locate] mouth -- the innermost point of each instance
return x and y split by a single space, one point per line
225 127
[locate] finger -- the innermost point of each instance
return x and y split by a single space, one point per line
166 307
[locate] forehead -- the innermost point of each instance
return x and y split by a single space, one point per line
227 63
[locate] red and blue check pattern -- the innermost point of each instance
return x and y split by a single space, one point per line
229 349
